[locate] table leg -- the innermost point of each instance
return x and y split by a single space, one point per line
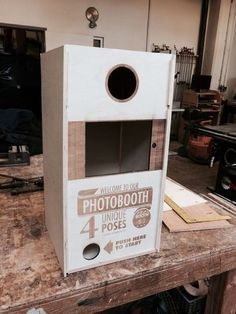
222 291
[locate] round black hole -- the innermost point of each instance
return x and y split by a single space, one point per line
122 83
154 145
91 251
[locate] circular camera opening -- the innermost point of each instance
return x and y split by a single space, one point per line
122 83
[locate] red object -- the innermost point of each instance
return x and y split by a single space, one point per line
198 147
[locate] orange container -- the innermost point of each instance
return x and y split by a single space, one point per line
198 147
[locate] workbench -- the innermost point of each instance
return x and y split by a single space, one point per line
30 276
224 137
223 133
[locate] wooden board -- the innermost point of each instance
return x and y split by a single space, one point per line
176 224
88 98
181 195
31 276
76 150
80 87
221 298
53 147
157 144
204 213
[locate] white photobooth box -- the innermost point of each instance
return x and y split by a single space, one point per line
106 121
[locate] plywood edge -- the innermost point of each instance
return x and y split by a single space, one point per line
52 111
166 142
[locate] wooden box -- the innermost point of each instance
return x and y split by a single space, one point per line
106 121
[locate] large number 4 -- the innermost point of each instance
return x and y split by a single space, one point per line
90 227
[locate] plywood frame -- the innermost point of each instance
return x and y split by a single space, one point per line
77 148
69 139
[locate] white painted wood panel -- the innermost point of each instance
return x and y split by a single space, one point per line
181 195
87 73
82 211
54 167
120 230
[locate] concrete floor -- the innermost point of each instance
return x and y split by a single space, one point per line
194 176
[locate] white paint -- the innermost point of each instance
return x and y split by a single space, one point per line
36 311
77 241
56 39
122 23
63 102
118 21
174 23
181 195
166 148
88 99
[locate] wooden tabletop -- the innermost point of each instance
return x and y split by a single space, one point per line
30 276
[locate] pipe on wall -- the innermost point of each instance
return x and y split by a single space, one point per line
202 35
148 24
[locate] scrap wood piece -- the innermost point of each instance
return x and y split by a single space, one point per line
176 224
195 213
182 195
191 206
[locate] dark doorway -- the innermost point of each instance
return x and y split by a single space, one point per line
20 85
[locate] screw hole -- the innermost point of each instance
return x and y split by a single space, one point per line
154 145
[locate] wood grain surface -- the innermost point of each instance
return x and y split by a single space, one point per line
221 297
76 150
157 144
30 275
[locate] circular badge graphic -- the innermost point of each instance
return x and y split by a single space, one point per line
142 217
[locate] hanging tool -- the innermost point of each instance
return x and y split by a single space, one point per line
16 156
21 185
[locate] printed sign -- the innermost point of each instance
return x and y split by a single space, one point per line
111 203
93 201
116 220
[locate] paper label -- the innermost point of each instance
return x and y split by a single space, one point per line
120 219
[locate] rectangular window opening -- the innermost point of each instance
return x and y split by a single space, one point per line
117 147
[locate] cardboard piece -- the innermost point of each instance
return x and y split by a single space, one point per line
176 224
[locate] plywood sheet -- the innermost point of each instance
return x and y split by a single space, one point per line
176 224
181 195
203 212
88 70
53 119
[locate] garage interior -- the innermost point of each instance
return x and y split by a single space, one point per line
201 155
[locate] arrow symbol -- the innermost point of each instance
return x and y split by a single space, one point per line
109 247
